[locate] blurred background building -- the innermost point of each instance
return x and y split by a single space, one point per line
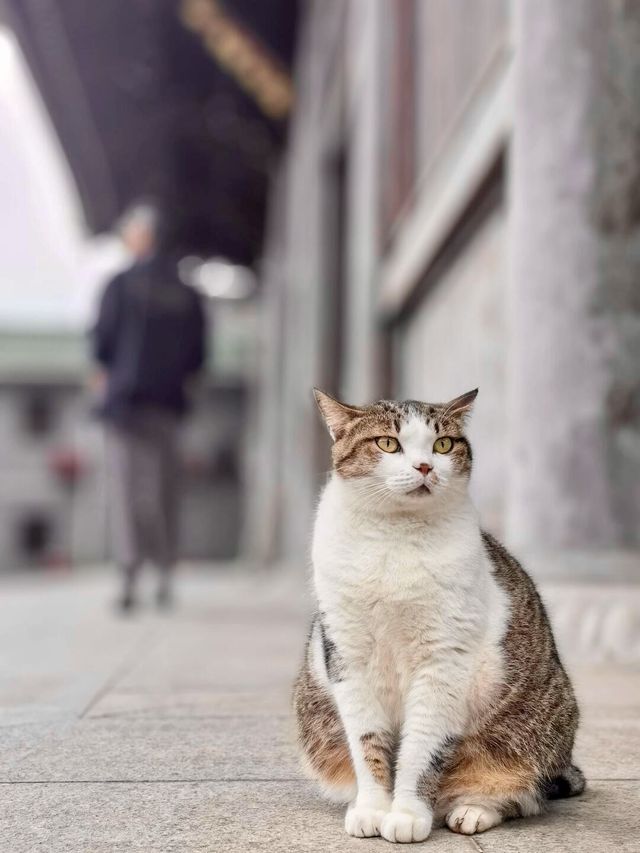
458 207
403 198
184 103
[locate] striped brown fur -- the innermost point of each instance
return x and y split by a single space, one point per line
379 750
525 740
523 744
321 734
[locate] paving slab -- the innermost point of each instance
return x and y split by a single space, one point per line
267 817
605 819
225 651
615 689
609 748
263 817
221 666
192 703
244 747
174 733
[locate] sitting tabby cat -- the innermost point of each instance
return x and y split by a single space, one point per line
431 686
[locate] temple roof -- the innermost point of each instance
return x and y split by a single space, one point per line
183 101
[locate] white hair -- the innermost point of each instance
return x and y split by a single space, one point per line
143 214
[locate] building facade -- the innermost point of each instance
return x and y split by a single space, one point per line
458 207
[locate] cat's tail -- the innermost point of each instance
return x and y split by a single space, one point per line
569 783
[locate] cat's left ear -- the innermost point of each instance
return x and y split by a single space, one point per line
460 407
337 415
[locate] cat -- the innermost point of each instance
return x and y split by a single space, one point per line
431 688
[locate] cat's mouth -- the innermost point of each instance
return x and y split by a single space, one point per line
422 489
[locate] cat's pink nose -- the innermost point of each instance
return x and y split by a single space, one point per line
423 468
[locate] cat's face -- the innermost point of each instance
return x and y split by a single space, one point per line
400 453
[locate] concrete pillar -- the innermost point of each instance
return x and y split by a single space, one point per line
574 299
363 377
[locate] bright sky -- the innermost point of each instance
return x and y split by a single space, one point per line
49 272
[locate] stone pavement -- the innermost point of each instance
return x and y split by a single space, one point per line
162 733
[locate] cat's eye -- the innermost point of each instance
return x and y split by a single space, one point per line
388 444
443 445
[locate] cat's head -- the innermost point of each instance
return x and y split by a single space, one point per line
409 454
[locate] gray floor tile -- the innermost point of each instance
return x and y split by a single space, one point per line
609 748
192 703
605 819
250 747
173 733
184 818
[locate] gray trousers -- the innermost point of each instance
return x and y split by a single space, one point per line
142 463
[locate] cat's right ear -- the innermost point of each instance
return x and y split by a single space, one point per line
337 415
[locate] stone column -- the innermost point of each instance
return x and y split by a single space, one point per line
574 292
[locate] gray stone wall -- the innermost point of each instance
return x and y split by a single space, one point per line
574 296
456 341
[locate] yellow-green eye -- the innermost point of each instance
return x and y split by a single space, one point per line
388 444
443 445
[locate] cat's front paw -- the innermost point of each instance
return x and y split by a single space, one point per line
406 825
364 821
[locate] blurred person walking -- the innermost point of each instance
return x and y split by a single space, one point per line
149 341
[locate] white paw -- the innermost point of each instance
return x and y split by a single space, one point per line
406 826
363 821
470 819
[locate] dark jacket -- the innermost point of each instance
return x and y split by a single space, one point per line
150 337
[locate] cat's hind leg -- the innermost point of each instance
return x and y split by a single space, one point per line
325 751
469 818
481 790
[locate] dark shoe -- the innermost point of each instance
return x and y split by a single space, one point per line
127 603
164 598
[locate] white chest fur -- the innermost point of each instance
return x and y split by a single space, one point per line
399 595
